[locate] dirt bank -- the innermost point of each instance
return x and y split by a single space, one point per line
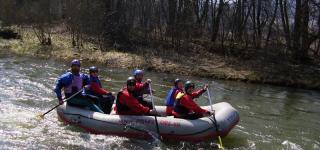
199 62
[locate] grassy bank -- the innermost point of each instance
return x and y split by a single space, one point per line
199 62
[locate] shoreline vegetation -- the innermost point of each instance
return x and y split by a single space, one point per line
258 67
274 42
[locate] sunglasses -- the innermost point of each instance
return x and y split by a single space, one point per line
131 84
75 65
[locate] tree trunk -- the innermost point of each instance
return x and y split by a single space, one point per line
254 24
301 40
216 22
172 19
285 22
259 25
272 22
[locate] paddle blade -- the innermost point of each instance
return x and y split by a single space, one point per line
40 116
220 143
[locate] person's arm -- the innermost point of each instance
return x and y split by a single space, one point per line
85 79
58 88
146 87
135 106
191 105
198 93
96 88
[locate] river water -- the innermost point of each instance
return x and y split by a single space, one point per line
271 117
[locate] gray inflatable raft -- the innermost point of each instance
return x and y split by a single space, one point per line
170 128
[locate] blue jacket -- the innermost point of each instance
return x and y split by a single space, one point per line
66 80
170 98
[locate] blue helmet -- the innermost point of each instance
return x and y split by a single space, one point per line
138 72
75 62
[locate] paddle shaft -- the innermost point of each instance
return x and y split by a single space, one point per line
62 103
214 118
153 106
210 101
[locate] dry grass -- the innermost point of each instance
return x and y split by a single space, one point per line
198 62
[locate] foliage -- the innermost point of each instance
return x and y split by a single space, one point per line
292 27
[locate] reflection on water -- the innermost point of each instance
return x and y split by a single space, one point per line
271 117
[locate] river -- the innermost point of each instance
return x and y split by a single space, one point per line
271 117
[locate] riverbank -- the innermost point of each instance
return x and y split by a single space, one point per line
261 68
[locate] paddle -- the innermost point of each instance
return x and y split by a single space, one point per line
42 115
215 121
154 108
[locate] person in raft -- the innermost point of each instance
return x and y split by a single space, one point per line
103 98
128 104
185 107
178 88
141 88
73 82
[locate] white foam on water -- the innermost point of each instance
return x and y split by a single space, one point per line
34 85
244 107
252 145
290 145
239 126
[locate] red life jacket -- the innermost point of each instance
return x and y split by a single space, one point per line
186 105
119 106
127 104
179 109
140 89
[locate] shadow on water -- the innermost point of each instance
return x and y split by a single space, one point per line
291 100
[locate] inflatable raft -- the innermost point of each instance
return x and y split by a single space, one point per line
170 128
